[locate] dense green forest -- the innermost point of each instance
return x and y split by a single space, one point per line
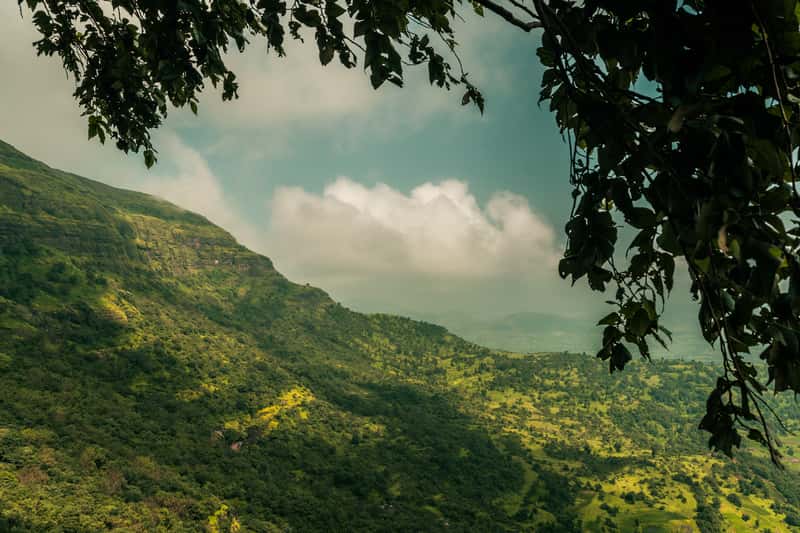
157 376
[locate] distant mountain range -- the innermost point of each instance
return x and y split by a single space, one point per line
529 332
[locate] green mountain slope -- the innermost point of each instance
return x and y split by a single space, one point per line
157 376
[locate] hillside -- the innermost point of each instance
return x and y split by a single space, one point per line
157 376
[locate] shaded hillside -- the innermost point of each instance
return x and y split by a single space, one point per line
157 376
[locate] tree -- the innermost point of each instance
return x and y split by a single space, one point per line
699 160
681 117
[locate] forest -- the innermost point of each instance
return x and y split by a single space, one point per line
157 376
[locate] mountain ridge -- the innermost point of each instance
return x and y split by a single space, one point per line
148 296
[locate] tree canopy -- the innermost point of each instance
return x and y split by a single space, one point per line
681 118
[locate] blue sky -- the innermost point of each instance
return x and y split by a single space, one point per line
399 200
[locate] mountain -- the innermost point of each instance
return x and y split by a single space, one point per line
157 376
532 331
524 332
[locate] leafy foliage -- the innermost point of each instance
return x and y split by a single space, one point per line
683 121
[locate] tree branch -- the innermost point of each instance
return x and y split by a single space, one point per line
523 7
508 16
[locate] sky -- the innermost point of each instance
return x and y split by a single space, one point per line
396 200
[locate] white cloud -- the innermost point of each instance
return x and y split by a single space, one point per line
437 230
279 96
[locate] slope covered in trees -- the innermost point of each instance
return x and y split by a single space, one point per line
157 376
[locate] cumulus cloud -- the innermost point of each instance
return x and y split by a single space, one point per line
437 230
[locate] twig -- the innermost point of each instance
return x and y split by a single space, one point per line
509 17
779 94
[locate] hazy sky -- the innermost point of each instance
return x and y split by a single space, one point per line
399 200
